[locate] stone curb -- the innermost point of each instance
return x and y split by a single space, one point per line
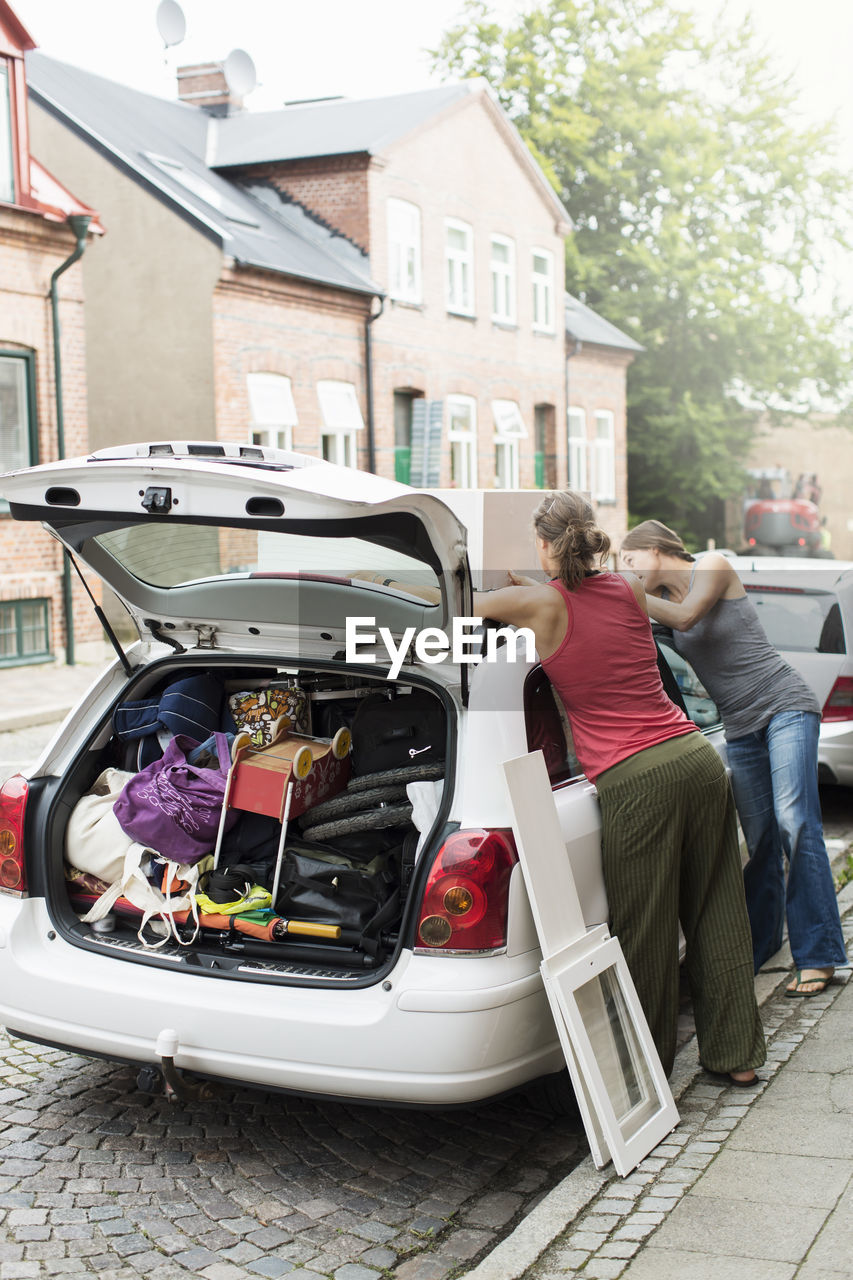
36 716
563 1209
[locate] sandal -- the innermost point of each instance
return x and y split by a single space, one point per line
820 984
725 1077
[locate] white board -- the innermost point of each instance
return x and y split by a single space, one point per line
623 1096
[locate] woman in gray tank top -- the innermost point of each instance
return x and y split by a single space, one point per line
772 721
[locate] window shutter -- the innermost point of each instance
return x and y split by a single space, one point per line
425 466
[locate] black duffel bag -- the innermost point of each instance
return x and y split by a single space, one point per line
320 884
403 729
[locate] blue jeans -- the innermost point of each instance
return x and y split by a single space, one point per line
774 779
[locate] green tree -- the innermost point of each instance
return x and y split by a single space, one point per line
703 210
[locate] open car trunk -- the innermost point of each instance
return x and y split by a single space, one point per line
344 855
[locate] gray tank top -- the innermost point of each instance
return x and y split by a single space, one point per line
748 679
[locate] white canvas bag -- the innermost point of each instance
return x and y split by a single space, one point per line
96 843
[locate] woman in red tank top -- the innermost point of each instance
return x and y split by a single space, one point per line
668 828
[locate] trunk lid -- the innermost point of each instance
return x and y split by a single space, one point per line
219 546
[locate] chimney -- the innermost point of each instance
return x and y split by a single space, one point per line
206 86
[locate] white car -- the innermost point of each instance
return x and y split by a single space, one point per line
244 564
806 608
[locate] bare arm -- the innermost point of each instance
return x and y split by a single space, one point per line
540 608
714 580
518 605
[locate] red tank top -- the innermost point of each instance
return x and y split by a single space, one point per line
606 673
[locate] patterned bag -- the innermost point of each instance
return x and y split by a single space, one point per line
174 806
264 713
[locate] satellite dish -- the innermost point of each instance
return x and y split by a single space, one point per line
240 73
171 22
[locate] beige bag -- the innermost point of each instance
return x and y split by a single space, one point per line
96 843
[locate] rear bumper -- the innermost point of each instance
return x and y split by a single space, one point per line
437 1031
835 753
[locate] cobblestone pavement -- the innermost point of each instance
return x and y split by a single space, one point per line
97 1178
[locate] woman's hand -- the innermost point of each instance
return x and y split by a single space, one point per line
520 580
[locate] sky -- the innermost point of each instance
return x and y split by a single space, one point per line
365 48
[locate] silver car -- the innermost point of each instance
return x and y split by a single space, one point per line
806 608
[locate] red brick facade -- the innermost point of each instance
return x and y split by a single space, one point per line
263 323
596 383
334 188
30 251
460 165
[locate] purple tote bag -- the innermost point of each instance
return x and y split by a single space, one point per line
173 806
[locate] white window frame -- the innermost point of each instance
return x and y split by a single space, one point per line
542 281
272 410
405 278
577 448
7 142
459 269
342 419
502 279
462 441
604 447
509 429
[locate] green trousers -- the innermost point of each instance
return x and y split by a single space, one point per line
670 853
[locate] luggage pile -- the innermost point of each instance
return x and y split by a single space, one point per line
278 820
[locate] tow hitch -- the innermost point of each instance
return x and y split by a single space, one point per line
167 1078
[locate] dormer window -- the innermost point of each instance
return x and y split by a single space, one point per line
7 166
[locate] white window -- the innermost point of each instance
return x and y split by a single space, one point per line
17 436
462 437
404 251
7 177
605 457
342 418
272 411
459 254
577 451
543 290
509 429
503 279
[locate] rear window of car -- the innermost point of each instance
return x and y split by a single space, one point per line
804 621
173 555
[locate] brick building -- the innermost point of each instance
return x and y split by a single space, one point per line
597 359
377 281
43 229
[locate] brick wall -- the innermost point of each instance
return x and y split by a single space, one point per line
30 250
264 323
460 166
596 382
333 188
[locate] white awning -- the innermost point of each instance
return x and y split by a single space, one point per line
339 406
508 419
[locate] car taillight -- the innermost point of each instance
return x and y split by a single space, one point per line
13 800
466 898
751 542
839 704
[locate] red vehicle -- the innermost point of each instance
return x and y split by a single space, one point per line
777 524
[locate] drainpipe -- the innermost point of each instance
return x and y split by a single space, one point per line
368 379
576 349
79 224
